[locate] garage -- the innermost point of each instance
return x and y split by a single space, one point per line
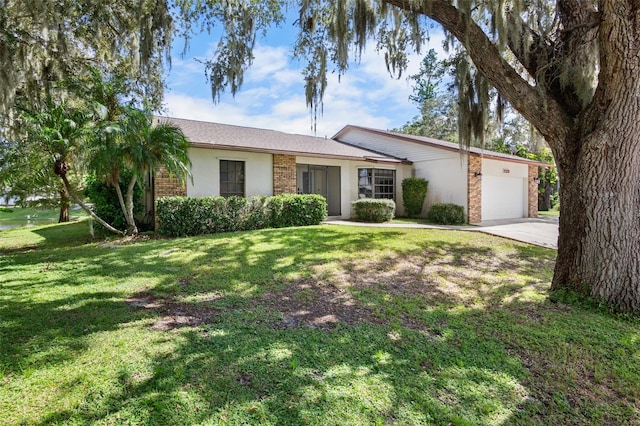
503 197
489 185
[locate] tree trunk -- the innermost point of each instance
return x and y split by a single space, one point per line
64 207
61 169
124 205
544 200
599 243
595 137
132 229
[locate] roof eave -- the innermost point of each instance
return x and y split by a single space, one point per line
471 151
223 147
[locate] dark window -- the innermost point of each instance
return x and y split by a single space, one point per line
231 178
376 183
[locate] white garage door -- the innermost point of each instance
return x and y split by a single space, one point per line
502 197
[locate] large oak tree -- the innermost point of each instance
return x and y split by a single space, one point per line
570 67
45 43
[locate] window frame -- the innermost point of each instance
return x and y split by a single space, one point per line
376 181
238 178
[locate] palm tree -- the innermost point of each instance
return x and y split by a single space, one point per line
147 147
61 131
127 140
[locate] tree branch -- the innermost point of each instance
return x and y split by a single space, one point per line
543 112
536 55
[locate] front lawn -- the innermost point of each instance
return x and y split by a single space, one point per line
320 325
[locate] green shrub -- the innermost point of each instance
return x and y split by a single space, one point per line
302 210
258 215
414 191
181 216
373 210
105 200
446 214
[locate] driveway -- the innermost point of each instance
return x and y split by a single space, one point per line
541 231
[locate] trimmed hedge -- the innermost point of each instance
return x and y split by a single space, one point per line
446 214
414 191
374 210
182 216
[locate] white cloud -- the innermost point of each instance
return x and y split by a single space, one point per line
273 95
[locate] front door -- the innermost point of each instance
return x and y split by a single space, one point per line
321 180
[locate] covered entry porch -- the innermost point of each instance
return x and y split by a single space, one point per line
321 180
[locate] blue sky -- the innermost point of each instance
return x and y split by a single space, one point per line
272 96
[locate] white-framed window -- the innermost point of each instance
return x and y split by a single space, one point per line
231 178
376 183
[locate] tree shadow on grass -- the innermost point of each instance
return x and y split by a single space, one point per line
49 296
239 370
40 334
44 237
444 335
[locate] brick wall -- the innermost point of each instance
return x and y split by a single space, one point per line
533 191
474 189
284 174
168 186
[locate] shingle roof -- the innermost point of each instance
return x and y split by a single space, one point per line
450 146
204 134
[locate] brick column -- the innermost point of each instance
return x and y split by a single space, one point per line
284 174
168 186
533 191
474 189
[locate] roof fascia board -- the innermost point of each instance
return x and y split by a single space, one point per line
406 138
296 153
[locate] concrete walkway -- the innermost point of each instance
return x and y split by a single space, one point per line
541 231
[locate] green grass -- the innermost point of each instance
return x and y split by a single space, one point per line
550 213
413 220
321 325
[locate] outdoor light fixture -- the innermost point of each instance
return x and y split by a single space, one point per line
477 174
536 179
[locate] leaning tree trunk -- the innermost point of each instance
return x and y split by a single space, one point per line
132 229
124 206
61 168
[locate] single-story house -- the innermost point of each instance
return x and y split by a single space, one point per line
235 160
357 162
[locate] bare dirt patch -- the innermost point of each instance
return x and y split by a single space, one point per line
315 303
172 314
328 296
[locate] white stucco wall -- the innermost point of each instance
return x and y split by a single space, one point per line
447 180
504 168
390 145
205 168
445 170
504 183
349 180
